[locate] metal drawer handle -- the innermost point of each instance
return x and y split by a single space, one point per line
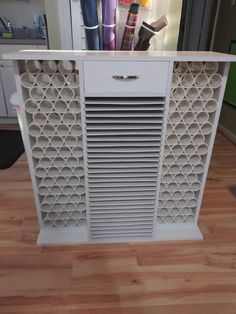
125 77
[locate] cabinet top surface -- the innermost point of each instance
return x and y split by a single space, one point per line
120 55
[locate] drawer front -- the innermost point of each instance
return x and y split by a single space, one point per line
125 78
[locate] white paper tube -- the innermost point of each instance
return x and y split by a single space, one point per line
197 105
184 187
196 67
67 93
170 204
162 185
72 161
56 141
188 195
203 149
198 139
163 211
55 190
193 128
206 128
54 118
37 152
196 186
192 203
68 189
172 139
73 80
76 214
51 152
206 93
61 181
167 178
79 171
211 105
71 141
73 180
40 118
52 215
179 219
182 159
192 177
181 67
58 80
36 93
215 80
188 117
27 80
69 206
174 212
211 67
33 66
64 215
168 220
175 80
45 106
62 198
201 80
169 159
59 162
169 129
31 106
80 189
51 93
69 118
51 199
192 93
172 187
45 162
177 195
64 152
62 130
186 211
179 178
45 207
185 139
48 181
42 141
60 106
48 130
40 172
66 66
174 169
66 171
43 190
75 198
59 223
167 150
49 66
181 203
190 218
186 169
82 207
74 106
34 130
53 172
48 223
178 93
77 151
199 168
71 223
202 117
177 150
194 159
184 105
76 130
43 80
175 117
180 129
187 80
190 149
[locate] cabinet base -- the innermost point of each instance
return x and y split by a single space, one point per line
162 233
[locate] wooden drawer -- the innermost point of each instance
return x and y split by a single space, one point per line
105 78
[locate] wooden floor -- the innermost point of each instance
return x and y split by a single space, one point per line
178 277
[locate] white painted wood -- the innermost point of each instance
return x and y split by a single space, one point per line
3 111
100 78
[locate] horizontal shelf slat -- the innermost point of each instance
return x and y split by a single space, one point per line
123 160
123 138
127 107
147 126
122 203
123 132
122 165
124 150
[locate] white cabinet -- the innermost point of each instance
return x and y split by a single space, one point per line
109 164
8 88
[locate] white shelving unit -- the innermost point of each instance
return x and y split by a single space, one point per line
119 144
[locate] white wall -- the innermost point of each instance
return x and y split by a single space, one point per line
21 12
